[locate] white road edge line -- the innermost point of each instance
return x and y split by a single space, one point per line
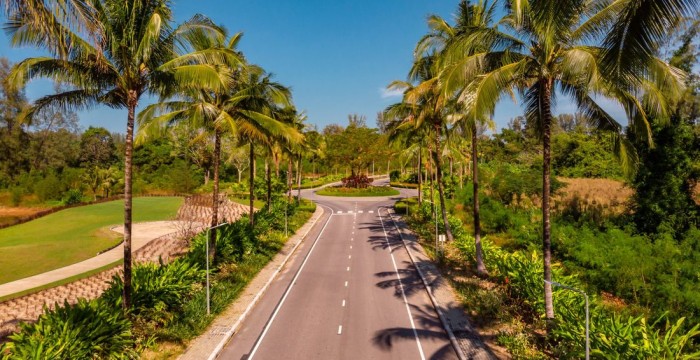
291 285
439 311
403 294
232 330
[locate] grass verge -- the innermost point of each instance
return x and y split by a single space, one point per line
71 235
369 191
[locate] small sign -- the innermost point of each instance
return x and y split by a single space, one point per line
441 238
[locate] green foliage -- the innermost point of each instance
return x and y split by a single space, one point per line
577 154
72 197
368 191
86 330
49 188
663 199
511 183
162 287
614 336
395 175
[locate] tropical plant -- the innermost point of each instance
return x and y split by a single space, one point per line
201 105
550 45
87 330
115 67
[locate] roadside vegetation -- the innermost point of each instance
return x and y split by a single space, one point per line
368 191
518 204
169 306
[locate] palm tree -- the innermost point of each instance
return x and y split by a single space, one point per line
202 107
547 47
432 108
257 108
470 18
130 64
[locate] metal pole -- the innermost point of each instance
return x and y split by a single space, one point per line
207 255
588 339
285 219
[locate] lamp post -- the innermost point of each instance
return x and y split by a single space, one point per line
588 343
207 251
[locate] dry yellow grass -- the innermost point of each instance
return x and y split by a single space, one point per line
605 196
602 191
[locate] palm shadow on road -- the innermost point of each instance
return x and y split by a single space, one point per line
378 240
430 330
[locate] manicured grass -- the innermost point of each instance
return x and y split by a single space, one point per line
72 235
403 185
258 204
369 191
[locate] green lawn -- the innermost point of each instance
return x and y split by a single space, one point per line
72 235
369 191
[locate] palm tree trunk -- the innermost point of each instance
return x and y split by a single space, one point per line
480 267
215 196
420 176
252 185
546 226
299 179
128 153
441 186
268 176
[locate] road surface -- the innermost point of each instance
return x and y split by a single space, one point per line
350 292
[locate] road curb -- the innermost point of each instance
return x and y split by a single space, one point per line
298 238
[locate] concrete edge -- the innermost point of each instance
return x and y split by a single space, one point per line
232 330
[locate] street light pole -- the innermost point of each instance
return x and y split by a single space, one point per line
207 252
588 342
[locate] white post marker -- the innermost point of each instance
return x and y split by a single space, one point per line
207 255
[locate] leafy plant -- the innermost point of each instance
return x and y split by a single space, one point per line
87 330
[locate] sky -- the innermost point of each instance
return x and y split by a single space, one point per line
336 55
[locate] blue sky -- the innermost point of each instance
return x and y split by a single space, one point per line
337 56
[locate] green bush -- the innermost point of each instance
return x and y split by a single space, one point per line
614 336
72 197
156 286
87 330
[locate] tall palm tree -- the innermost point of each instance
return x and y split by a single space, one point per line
469 19
202 106
550 45
54 25
432 108
257 107
128 65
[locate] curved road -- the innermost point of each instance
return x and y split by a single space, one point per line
350 292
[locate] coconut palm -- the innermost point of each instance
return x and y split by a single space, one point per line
470 19
257 107
202 107
55 25
550 47
129 64
431 108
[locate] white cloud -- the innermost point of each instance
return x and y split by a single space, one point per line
387 93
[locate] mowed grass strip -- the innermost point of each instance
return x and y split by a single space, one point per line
368 191
72 235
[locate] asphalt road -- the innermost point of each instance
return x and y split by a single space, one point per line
350 292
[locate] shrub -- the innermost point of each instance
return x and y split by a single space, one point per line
87 330
156 286
72 197
394 175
